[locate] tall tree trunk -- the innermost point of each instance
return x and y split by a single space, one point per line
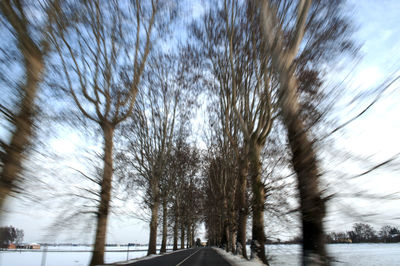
312 205
232 225
258 234
243 208
13 154
164 228
221 232
175 246
227 235
154 224
105 196
304 159
188 234
225 225
233 242
182 235
192 236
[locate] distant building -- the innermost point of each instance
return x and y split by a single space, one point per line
33 246
11 246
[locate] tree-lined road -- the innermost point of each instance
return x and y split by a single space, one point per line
189 257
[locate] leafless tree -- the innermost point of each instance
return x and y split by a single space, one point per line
30 39
242 64
161 109
229 37
284 31
102 59
190 197
219 191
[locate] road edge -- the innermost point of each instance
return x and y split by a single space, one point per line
237 260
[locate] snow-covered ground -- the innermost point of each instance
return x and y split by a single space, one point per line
68 256
365 254
237 260
344 254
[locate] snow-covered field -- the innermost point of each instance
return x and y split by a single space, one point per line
344 254
67 256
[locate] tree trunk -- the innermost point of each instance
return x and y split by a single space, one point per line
192 236
13 153
243 208
188 234
182 236
105 196
304 161
227 235
225 225
312 206
232 224
165 228
233 242
153 226
258 235
175 247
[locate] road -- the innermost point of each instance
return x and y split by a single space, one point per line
188 257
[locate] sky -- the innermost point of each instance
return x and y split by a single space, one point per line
374 136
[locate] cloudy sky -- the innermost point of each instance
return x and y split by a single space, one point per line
375 136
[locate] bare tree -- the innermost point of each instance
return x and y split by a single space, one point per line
33 46
227 180
219 191
103 58
160 110
180 199
229 37
244 74
166 185
283 31
182 165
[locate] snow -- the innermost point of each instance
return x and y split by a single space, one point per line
343 254
143 258
68 256
136 259
237 260
365 254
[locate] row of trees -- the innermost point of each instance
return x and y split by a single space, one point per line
259 64
365 233
105 58
105 63
10 234
263 63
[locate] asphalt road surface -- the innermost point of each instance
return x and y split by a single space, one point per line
189 257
